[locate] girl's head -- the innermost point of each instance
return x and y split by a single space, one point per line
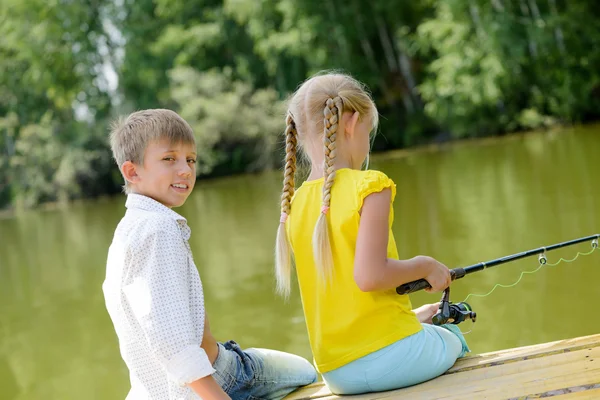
331 117
318 106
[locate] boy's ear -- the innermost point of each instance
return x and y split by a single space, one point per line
350 121
129 172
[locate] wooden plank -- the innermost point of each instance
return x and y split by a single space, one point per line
527 352
503 374
539 375
581 395
593 394
314 391
576 392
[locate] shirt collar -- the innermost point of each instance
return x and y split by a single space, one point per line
146 203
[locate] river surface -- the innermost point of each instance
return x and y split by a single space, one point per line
461 203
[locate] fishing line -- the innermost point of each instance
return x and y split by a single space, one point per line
455 313
523 273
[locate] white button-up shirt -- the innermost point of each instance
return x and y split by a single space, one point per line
154 296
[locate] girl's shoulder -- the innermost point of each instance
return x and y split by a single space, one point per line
372 181
363 175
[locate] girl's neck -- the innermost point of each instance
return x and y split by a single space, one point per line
316 170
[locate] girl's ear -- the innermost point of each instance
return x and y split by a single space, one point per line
350 122
129 172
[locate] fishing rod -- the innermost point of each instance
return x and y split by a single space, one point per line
457 313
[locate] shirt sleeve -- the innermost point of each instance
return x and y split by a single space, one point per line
373 182
159 296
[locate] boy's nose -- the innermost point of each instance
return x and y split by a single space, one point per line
185 170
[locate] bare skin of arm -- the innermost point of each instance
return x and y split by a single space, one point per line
373 270
209 344
426 312
207 388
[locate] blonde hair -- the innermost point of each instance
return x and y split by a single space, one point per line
129 136
316 108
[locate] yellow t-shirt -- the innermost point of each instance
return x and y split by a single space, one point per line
344 323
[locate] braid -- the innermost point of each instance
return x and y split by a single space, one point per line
321 243
332 113
291 143
283 263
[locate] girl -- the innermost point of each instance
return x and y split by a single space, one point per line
364 337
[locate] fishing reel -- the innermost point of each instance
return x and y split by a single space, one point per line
449 313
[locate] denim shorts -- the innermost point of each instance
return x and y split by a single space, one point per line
414 359
260 373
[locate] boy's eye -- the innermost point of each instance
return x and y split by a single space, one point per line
192 160
169 158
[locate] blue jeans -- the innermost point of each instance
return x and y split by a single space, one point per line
260 373
414 359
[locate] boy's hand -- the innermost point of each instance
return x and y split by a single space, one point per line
438 276
208 389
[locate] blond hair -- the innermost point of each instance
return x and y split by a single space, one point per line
316 109
129 136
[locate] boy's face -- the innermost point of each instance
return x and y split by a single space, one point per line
168 173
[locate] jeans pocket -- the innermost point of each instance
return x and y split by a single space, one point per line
243 360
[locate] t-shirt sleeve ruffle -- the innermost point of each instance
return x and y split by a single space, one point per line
373 182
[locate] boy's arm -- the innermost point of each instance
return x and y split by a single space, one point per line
208 389
159 295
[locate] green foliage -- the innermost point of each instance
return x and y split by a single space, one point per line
498 66
227 115
437 69
50 58
42 168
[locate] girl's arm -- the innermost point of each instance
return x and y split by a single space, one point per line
373 270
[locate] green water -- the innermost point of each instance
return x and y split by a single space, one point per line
462 204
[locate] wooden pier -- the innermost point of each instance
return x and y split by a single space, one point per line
566 369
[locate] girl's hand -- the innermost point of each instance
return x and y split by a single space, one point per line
438 275
426 312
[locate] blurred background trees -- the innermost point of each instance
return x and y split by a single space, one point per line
438 69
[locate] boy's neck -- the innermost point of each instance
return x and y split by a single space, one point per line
148 196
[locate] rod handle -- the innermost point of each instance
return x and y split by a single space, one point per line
421 284
413 286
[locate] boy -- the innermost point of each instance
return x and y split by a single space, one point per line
153 291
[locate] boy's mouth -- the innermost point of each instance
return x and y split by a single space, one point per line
180 187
